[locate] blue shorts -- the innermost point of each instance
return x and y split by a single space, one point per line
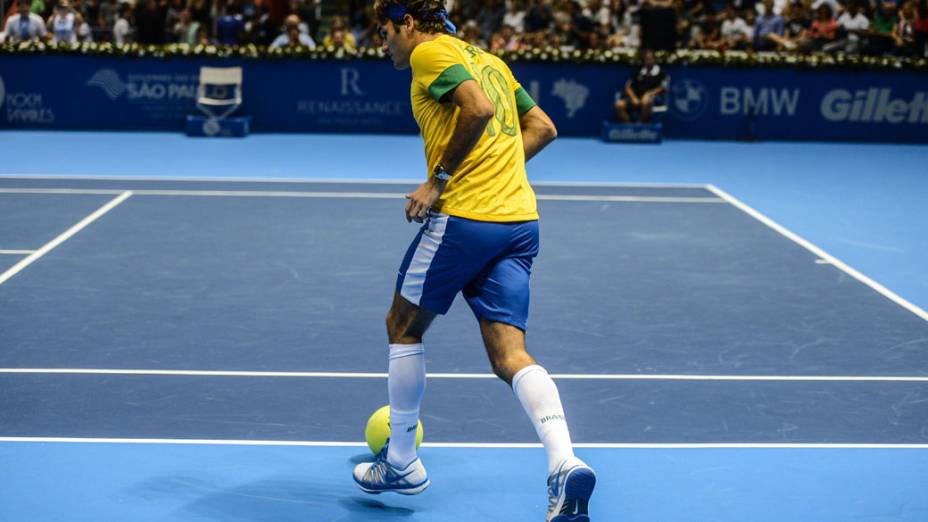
489 262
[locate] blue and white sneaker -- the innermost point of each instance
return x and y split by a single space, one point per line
380 476
569 491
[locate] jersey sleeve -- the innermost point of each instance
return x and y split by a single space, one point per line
437 69
524 101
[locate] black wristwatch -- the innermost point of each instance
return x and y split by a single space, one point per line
441 174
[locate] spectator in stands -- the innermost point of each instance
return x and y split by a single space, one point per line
699 35
515 16
185 30
505 39
61 24
490 18
583 23
262 30
340 39
470 33
639 93
835 5
83 32
38 7
734 32
658 20
202 12
150 22
768 30
921 29
106 18
203 36
853 24
904 31
293 36
624 27
172 18
24 25
339 36
823 30
538 17
89 10
797 19
565 35
598 12
880 35
122 27
310 12
369 35
230 27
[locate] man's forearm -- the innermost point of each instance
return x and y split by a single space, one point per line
534 140
467 131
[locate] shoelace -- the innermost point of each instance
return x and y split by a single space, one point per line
552 496
379 471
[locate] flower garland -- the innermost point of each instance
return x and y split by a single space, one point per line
740 59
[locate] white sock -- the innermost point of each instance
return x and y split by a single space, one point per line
539 397
406 385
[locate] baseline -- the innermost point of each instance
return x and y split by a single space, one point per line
351 195
561 376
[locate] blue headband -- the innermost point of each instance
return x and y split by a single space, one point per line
397 13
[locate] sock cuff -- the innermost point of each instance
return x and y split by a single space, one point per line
398 351
400 413
522 373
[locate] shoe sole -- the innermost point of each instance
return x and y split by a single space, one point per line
406 491
578 487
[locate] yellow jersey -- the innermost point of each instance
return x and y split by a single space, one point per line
491 183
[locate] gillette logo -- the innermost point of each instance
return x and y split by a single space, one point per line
874 106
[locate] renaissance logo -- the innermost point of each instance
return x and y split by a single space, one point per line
353 111
874 106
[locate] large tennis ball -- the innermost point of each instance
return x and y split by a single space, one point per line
378 430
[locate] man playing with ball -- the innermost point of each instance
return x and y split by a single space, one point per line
480 236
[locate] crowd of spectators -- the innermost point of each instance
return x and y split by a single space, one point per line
898 27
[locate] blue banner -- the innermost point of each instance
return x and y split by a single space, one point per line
361 96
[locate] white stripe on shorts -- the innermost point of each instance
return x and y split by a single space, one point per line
422 258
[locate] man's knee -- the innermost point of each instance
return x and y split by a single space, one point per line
394 324
507 364
406 322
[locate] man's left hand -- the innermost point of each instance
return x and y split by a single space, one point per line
420 201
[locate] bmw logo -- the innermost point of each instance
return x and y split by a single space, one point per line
688 99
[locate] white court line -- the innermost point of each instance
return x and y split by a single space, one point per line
356 195
23 263
480 445
16 252
335 181
824 256
561 376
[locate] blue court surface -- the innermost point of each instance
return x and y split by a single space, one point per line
182 347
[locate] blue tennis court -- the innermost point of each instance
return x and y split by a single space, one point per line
209 349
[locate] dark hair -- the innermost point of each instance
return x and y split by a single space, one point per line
430 15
